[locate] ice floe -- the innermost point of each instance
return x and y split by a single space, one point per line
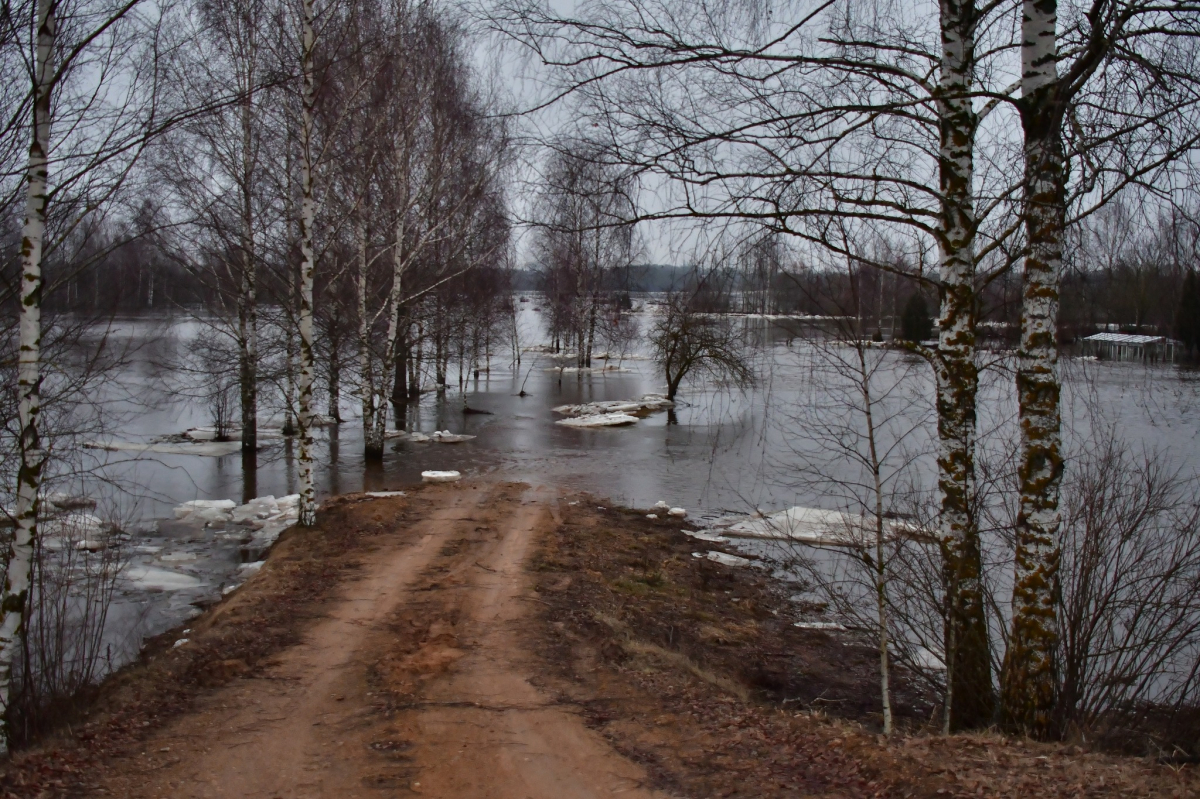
268 515
440 476
599 420
576 370
647 404
723 558
206 510
810 526
75 526
151 577
678 513
213 449
709 537
384 494
437 437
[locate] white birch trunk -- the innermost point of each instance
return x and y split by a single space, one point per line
247 297
969 684
880 553
32 457
372 437
304 386
1030 680
391 339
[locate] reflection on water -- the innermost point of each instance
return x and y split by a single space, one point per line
725 450
719 451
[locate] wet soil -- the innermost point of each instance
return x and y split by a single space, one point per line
491 639
695 670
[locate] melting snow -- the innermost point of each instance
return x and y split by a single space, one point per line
819 625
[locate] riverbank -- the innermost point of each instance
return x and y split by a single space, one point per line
488 639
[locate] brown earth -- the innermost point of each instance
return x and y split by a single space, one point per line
493 640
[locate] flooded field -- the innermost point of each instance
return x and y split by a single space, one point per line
720 451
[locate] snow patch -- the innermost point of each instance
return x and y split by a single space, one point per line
820 625
440 477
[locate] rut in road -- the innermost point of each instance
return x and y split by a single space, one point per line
415 683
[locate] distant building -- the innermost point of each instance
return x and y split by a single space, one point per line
1131 347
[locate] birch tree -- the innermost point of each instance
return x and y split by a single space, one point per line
968 659
307 375
98 84
823 118
29 471
1128 61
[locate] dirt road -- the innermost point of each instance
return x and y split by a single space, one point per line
414 683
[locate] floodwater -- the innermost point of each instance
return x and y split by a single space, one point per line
786 441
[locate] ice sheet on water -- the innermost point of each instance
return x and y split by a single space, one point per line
810 526
152 577
436 437
233 432
74 526
446 437
575 370
209 511
648 403
599 420
722 558
215 449
699 535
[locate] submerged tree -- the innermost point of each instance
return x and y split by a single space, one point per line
915 323
1187 318
584 241
688 342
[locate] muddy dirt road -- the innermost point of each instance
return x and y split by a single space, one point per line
415 682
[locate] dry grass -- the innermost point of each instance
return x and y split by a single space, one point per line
694 670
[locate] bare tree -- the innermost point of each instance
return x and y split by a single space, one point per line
688 342
1140 42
